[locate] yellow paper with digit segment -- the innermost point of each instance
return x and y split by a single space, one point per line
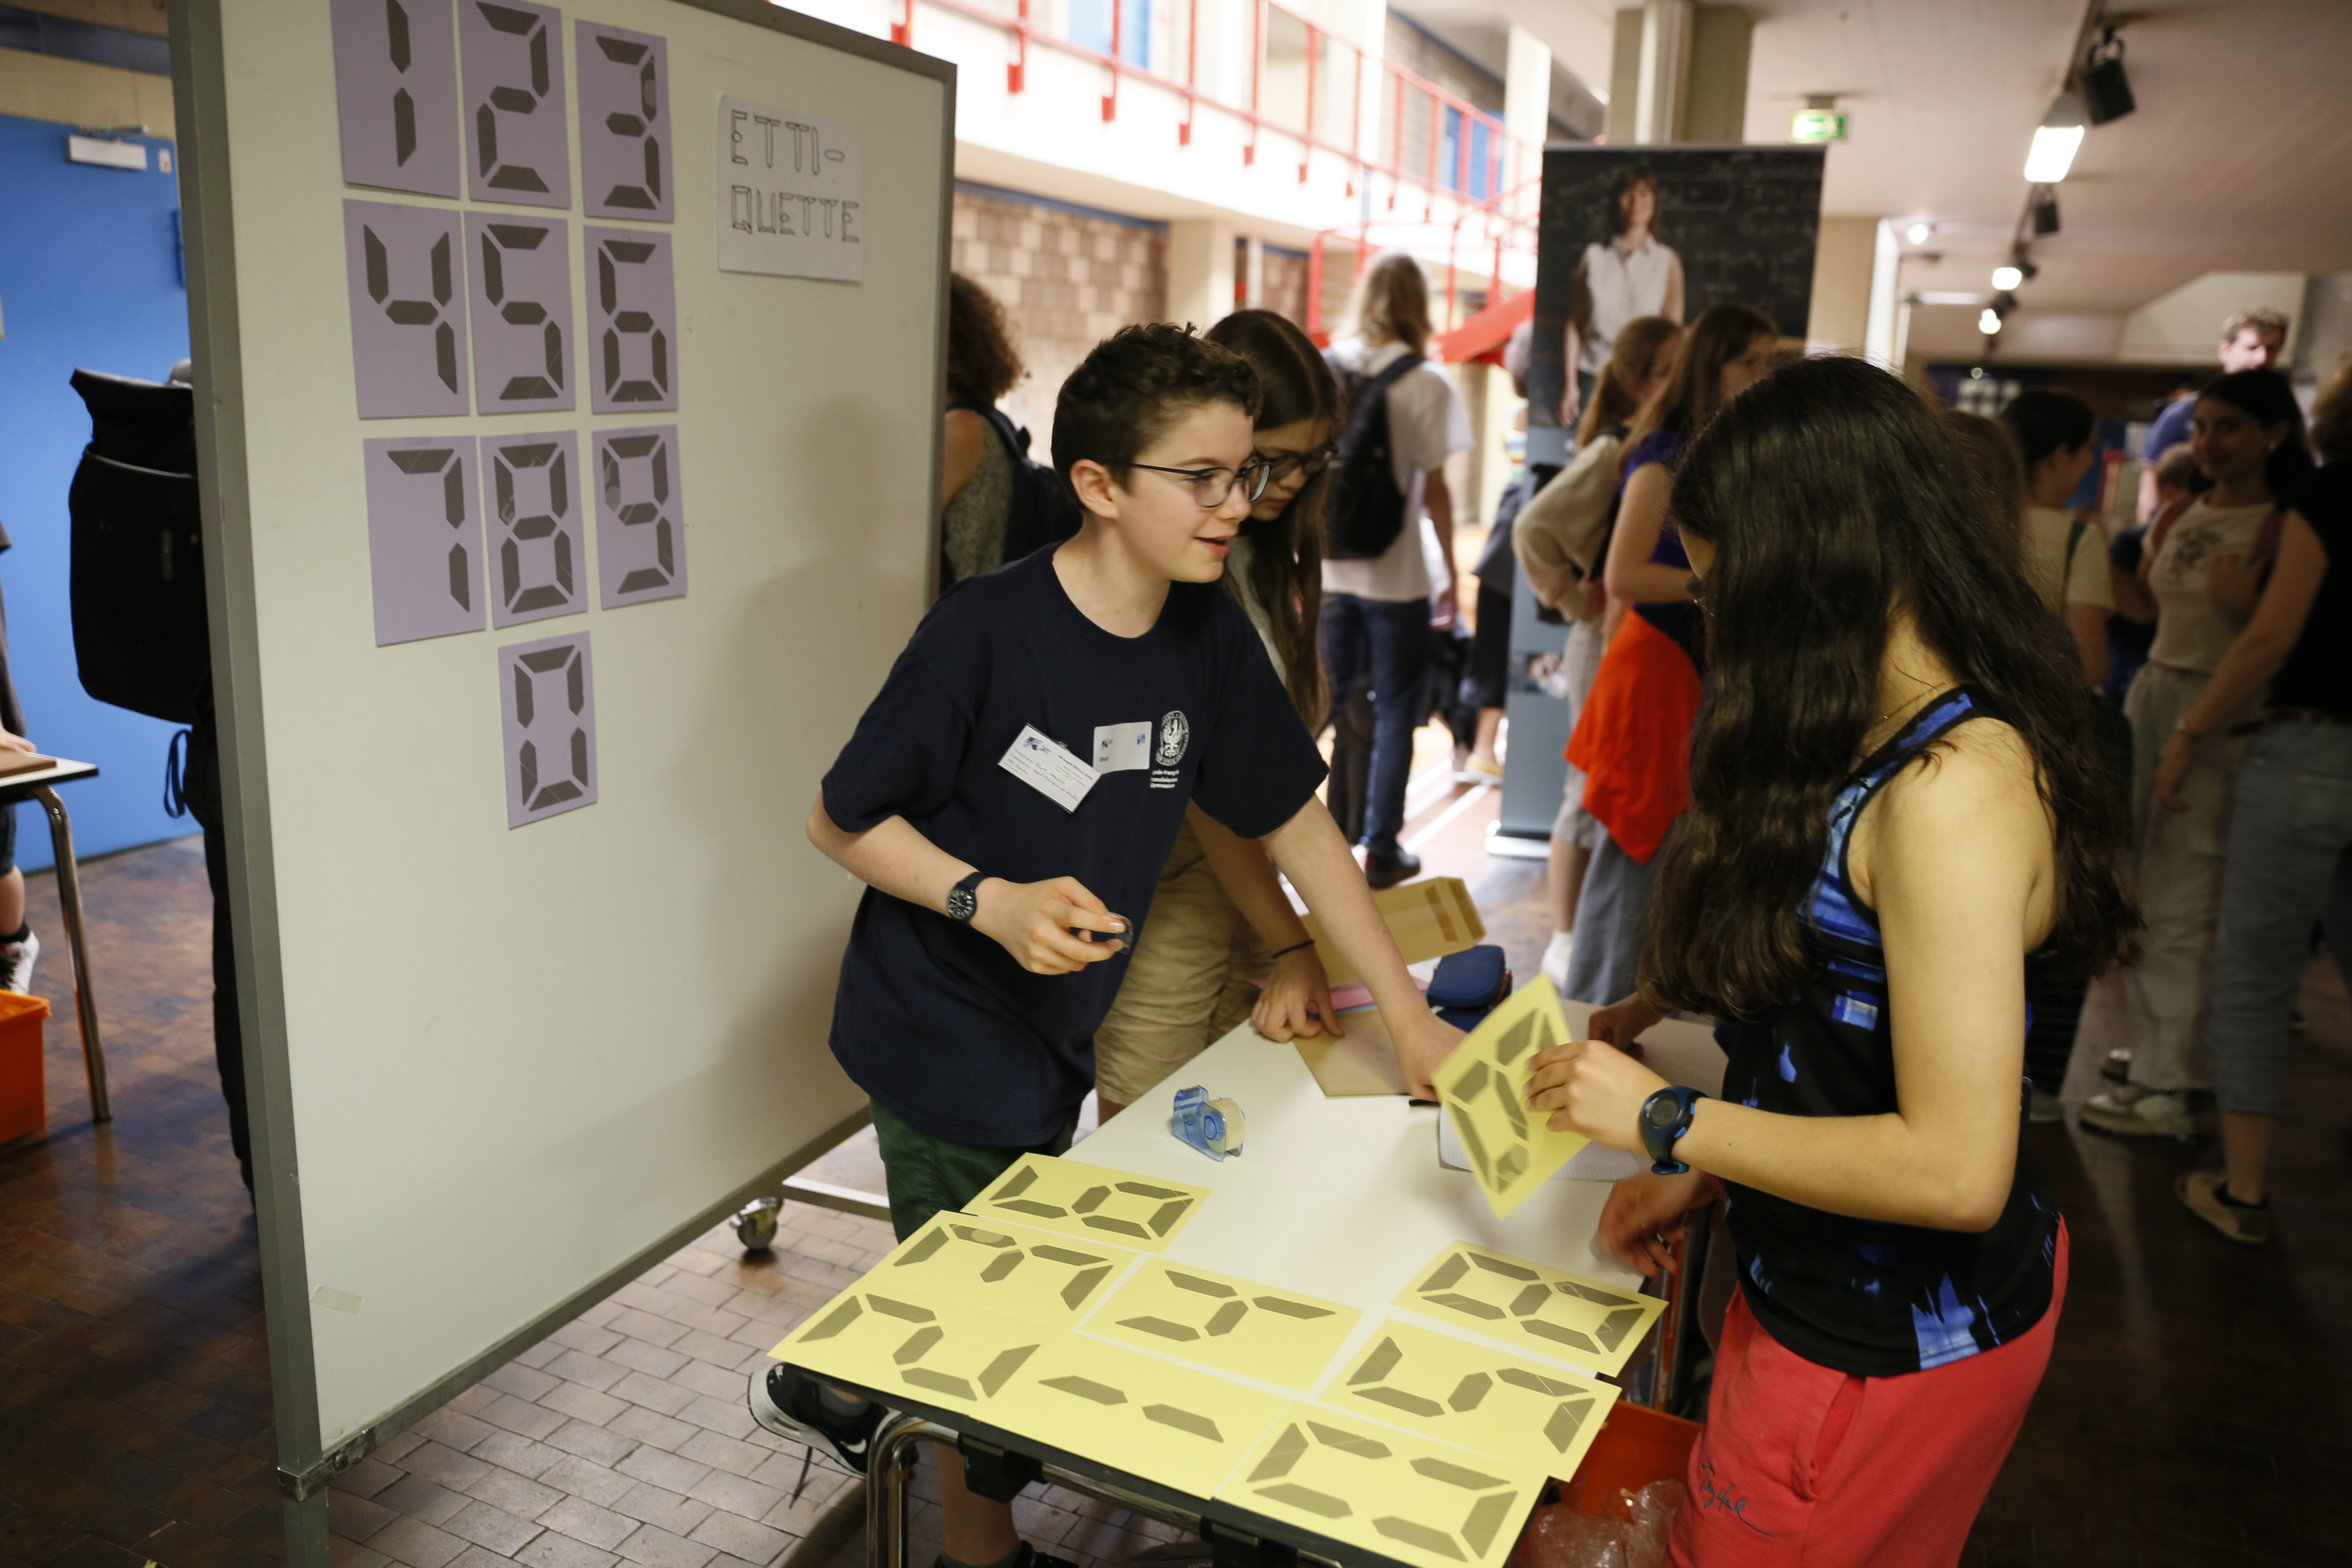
929 1350
1548 1311
1226 1324
1420 1502
1032 1275
1166 1424
1474 1395
1091 1201
1484 1087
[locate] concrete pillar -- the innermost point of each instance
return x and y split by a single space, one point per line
1664 71
1838 319
1200 271
1252 277
1526 101
1715 99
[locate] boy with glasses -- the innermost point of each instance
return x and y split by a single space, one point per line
1021 779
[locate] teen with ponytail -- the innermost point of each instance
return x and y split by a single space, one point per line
1894 800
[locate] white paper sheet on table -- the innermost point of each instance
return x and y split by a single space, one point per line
1593 1162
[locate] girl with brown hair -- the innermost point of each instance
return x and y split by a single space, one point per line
1219 915
1894 801
1631 738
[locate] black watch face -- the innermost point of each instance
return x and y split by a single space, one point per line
961 904
1662 1111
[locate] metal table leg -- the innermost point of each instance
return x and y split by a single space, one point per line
890 1464
93 1054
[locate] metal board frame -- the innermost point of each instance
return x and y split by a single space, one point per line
200 83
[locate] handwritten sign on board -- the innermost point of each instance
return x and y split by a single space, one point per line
791 191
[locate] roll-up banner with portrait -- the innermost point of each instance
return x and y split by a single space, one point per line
1647 231
1629 232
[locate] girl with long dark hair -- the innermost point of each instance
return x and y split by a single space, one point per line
1894 801
1219 915
1630 739
2204 564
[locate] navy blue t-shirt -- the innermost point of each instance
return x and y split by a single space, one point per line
936 1021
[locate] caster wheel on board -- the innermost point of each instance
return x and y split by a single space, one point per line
755 1224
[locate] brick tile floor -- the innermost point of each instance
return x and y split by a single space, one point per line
2196 1411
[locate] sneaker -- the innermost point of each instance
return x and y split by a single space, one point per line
17 963
788 1402
1477 771
1387 871
1555 959
2205 1194
2116 1069
2041 1107
2133 1111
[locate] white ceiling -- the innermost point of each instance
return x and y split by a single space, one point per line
2239 158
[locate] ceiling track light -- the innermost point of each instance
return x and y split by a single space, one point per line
2106 93
2056 140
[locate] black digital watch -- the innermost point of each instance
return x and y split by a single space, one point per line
1666 1116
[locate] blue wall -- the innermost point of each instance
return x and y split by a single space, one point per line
89 277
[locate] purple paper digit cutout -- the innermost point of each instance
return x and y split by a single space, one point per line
396 94
407 270
625 123
517 132
531 491
640 516
632 321
547 697
425 537
521 311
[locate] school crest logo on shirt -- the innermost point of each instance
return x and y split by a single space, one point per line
1175 734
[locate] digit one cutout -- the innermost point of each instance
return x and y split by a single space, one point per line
396 94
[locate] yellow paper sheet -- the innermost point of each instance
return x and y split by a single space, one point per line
941 1353
1089 1200
1484 1087
1229 1325
1166 1424
1428 918
1543 1310
1423 1503
1474 1397
1032 1275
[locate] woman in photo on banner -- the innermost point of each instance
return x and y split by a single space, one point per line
1632 273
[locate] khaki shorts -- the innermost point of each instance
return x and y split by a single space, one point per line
1186 986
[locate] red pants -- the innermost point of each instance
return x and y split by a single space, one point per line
1801 1467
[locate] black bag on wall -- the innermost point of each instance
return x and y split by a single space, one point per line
137 594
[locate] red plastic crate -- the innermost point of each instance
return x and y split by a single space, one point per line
22 1106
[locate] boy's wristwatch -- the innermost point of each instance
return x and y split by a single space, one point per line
963 899
1666 1116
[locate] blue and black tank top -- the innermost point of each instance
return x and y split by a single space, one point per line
1870 1297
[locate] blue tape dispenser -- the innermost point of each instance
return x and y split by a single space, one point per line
1214 1127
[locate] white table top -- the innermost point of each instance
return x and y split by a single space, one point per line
1344 1198
59 771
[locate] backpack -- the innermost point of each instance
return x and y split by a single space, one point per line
1561 537
1365 511
138 564
1044 512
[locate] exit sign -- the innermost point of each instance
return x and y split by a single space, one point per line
1817 125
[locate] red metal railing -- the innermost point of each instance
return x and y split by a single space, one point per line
1504 227
1415 102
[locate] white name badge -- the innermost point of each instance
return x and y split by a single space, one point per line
1040 763
1121 746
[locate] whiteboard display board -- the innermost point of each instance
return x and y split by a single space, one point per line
551 565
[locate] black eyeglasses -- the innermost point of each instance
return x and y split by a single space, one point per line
1281 466
1210 486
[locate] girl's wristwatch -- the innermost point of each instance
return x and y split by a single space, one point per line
1666 1116
963 899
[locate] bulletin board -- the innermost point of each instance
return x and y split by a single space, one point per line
569 382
